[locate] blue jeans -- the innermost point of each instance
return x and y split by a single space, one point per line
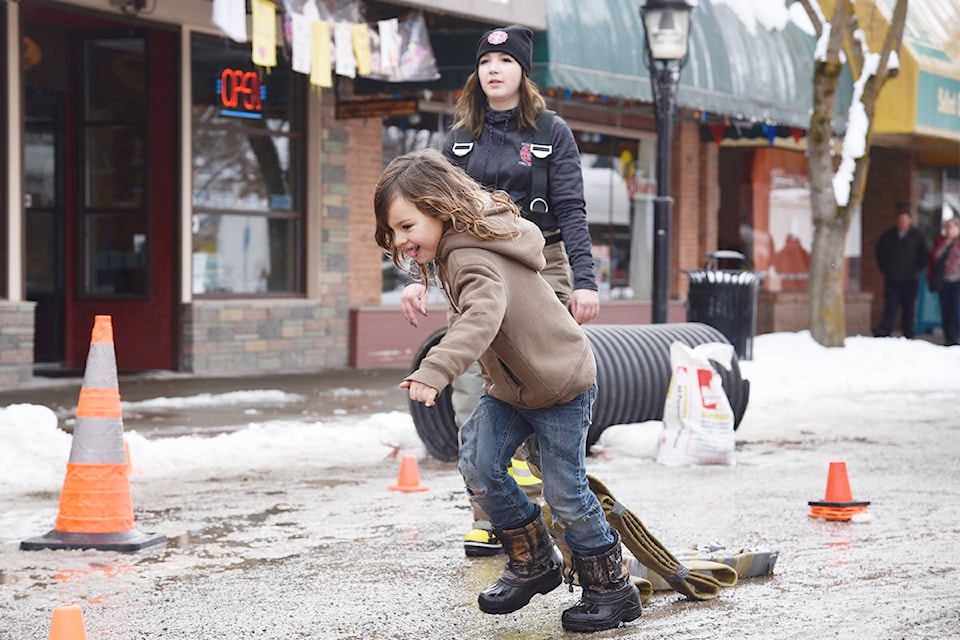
491 436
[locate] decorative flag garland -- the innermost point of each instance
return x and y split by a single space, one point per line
394 50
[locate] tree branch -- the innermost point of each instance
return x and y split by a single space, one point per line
893 41
813 15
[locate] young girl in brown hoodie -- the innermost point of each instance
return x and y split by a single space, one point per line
539 378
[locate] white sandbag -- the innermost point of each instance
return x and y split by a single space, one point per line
697 416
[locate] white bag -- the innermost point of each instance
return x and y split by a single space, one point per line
697 417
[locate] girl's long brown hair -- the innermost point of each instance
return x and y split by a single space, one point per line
437 188
471 107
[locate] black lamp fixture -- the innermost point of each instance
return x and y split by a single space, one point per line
666 28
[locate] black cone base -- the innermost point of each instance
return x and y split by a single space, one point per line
124 541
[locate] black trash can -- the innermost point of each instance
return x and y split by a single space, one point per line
726 299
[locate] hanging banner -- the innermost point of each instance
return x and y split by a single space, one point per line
346 63
320 72
231 17
390 43
264 33
405 54
361 48
301 32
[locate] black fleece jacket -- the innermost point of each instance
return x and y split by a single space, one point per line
902 259
501 159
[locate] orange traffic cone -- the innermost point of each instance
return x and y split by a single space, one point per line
838 503
96 510
409 478
67 623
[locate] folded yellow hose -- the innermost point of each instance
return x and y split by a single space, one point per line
649 551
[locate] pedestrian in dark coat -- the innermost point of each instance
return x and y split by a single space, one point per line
902 253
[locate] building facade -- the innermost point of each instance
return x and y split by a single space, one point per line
221 212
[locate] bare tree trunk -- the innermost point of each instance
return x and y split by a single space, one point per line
827 306
832 220
827 314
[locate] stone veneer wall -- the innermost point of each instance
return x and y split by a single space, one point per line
790 311
268 336
16 342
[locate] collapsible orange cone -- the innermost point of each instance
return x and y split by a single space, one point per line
67 623
96 510
409 478
838 503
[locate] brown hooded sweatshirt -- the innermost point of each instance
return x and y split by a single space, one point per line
532 352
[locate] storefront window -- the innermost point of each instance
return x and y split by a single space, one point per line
618 187
939 193
247 157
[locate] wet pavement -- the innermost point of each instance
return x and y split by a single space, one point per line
325 394
321 551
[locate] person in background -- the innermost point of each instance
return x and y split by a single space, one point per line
949 293
539 379
498 111
901 253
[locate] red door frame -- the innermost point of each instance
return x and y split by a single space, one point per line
144 329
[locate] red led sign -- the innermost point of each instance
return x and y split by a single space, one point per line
241 93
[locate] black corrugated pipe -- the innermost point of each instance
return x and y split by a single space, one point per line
633 374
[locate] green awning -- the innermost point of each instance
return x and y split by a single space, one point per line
766 76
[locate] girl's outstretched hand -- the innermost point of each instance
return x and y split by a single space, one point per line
420 392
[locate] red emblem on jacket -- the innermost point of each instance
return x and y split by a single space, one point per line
526 156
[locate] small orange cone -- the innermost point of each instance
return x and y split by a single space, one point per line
67 623
409 478
96 509
838 503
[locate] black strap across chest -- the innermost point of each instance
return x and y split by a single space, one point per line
540 149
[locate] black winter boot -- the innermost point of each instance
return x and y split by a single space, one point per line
608 598
534 566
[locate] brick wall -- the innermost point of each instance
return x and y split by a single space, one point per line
709 214
244 337
16 342
366 155
687 250
790 311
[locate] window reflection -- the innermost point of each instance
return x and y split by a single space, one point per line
234 254
247 154
116 254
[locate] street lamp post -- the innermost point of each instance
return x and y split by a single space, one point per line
666 26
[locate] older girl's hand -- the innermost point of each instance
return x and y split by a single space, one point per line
585 305
413 300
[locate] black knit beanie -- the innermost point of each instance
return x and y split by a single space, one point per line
514 40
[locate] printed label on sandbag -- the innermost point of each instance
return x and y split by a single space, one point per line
697 416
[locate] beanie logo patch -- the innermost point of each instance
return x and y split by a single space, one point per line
497 37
